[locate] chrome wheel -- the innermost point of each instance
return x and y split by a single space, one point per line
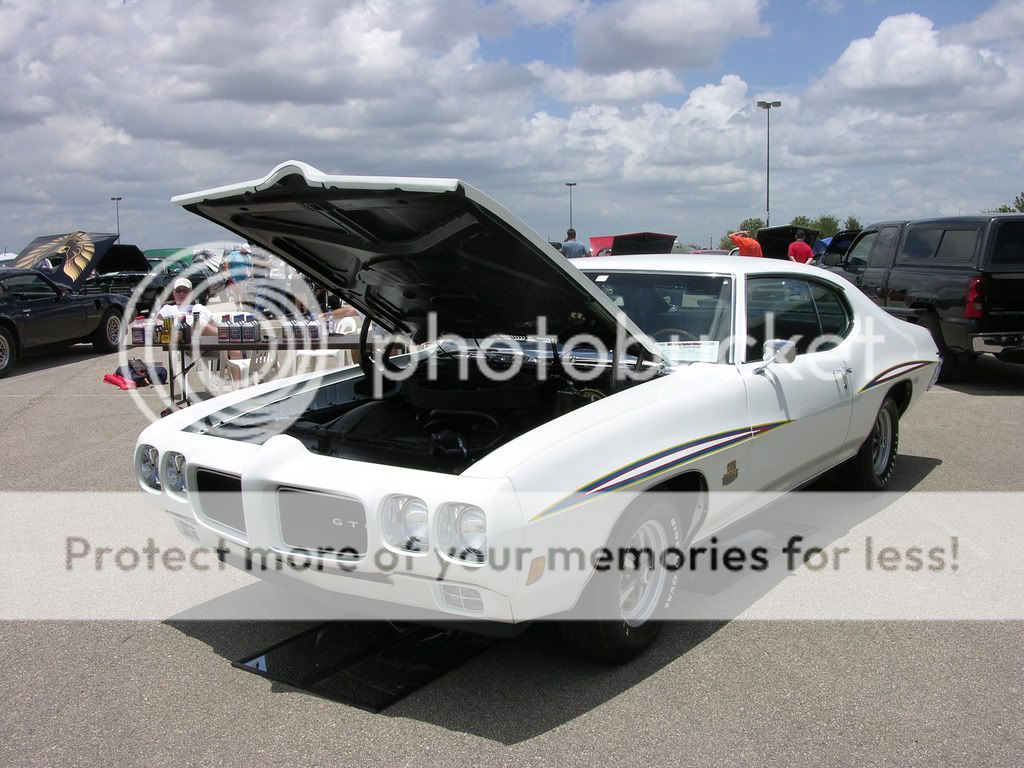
641 582
113 329
5 352
881 442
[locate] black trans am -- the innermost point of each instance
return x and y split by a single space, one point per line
43 308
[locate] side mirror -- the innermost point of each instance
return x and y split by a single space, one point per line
778 351
831 259
855 267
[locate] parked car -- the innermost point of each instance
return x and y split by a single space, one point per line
37 313
829 251
631 377
959 276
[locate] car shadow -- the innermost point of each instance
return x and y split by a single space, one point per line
989 377
525 686
43 360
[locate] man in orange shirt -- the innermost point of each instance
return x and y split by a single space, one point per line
748 246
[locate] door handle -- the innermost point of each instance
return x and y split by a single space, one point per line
845 373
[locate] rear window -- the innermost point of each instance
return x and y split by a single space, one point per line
1009 247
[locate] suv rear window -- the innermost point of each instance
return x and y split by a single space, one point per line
957 245
1009 247
921 243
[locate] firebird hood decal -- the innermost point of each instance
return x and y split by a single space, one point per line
73 256
657 464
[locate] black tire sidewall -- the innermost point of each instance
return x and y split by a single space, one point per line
870 480
99 339
12 352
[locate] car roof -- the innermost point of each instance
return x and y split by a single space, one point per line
688 262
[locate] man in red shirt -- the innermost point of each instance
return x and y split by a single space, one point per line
800 251
748 246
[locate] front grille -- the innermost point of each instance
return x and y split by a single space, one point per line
320 522
220 498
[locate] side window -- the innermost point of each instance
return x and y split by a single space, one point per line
957 245
858 255
882 251
779 308
28 287
921 243
833 316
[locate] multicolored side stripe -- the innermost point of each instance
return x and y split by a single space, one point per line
895 372
657 464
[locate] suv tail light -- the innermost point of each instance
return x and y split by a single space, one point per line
975 298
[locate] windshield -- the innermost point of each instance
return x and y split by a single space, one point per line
689 317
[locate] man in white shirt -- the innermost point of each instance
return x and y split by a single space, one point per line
181 291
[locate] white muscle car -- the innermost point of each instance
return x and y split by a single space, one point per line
544 406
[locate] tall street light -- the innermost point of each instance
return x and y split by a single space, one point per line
117 214
768 106
570 185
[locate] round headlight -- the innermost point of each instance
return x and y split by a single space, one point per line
149 466
463 531
471 526
175 473
406 523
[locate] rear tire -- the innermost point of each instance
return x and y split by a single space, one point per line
8 352
108 335
640 594
873 466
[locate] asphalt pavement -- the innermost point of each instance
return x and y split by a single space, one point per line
724 693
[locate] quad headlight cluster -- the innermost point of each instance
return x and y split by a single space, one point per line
461 528
148 468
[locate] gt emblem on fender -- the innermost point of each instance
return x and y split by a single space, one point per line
731 473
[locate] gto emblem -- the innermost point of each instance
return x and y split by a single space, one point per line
340 521
731 473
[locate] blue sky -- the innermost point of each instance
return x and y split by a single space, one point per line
889 108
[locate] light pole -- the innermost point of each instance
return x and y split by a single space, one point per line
767 106
570 185
117 214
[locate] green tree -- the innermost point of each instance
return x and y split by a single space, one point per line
852 222
1017 207
801 221
826 224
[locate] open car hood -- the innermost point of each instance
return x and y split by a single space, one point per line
74 255
401 249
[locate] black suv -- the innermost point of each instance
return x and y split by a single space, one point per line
962 277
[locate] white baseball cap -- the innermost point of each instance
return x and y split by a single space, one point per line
182 282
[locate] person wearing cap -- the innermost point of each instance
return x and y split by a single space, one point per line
182 306
799 251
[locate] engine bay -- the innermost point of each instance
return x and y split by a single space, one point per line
441 420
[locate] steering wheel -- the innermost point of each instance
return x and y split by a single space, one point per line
673 334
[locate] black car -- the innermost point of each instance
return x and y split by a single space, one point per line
775 240
38 313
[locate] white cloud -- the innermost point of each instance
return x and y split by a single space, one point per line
1003 22
574 86
673 34
906 68
545 11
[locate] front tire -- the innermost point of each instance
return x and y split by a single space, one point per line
108 335
873 466
639 592
8 352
